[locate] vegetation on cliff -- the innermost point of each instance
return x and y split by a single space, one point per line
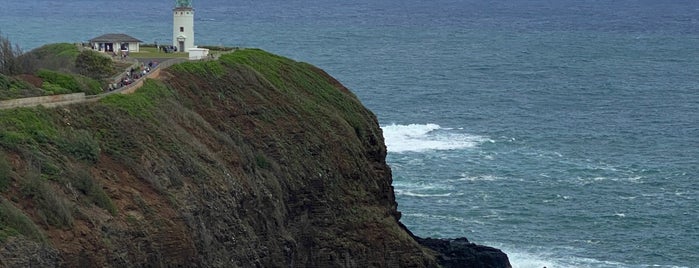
52 69
250 160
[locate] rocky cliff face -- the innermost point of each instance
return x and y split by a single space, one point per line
253 160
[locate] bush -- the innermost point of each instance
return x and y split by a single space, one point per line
52 208
9 53
83 182
12 88
26 126
4 82
5 170
203 69
62 83
141 102
53 89
64 50
13 222
81 145
262 161
89 85
63 80
94 64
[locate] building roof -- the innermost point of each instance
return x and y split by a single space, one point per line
113 38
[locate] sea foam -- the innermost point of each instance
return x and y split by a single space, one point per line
427 137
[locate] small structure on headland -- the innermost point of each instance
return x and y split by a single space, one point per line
183 25
197 53
115 42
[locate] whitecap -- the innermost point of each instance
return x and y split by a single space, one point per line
443 218
413 194
551 257
427 137
465 177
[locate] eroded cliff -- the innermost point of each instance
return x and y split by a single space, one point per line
249 160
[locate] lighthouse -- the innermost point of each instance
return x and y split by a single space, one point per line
183 25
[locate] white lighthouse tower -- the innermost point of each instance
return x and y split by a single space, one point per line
183 25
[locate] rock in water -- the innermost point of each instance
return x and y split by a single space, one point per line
460 252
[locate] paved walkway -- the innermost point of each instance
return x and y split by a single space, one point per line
67 99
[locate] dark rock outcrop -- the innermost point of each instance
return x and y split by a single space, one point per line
460 252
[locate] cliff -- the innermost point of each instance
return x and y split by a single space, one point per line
250 160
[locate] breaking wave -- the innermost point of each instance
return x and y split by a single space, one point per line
427 137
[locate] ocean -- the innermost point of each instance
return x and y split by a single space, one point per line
564 132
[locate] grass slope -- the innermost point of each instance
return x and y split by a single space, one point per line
253 147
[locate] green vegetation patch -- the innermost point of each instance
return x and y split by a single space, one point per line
26 126
204 69
5 170
63 80
5 82
81 145
59 56
63 50
142 102
13 222
12 88
94 64
267 64
52 208
83 182
62 83
309 86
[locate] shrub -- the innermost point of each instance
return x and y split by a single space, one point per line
83 182
81 145
12 88
9 64
62 83
203 69
13 222
88 85
51 208
262 161
63 80
26 126
4 82
94 64
64 50
5 170
53 89
141 102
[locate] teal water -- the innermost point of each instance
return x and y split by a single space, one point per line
565 133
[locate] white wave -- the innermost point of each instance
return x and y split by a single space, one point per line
423 186
427 137
561 258
520 259
465 177
526 260
443 218
414 194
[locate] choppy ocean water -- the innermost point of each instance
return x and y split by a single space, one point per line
564 132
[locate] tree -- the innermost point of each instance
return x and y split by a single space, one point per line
9 54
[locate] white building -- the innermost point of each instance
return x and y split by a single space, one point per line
196 53
183 25
117 43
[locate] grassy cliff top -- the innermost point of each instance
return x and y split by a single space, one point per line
253 158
